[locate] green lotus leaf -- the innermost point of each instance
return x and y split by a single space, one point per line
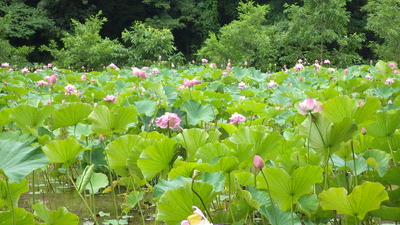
182 200
92 182
211 151
364 198
286 189
387 213
386 124
197 112
121 150
71 114
5 116
377 159
63 151
146 107
26 116
106 121
264 144
192 139
58 217
156 158
19 217
18 159
16 190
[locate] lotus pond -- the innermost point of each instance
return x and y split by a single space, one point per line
312 144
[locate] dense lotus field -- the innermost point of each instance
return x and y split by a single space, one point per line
312 144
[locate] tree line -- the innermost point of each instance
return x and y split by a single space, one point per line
263 33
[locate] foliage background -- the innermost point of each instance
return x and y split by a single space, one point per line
346 32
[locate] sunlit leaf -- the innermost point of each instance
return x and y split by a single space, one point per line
156 158
71 114
26 116
63 151
106 121
364 198
19 217
59 217
15 189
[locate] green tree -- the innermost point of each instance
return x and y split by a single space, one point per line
246 39
146 43
85 47
317 29
383 17
9 53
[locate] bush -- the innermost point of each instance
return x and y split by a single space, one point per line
247 39
9 53
146 44
85 47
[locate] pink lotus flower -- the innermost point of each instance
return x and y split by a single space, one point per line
110 98
155 70
197 218
241 85
213 65
345 71
224 73
368 77
69 89
41 83
112 65
189 83
298 66
170 120
83 77
326 61
5 65
237 118
272 84
25 70
317 66
389 81
204 60
309 105
48 102
139 73
392 65
51 79
363 130
258 162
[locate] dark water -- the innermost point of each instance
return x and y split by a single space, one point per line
69 198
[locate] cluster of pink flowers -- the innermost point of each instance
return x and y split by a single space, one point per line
70 89
110 98
389 81
272 84
198 218
308 106
51 79
298 66
189 83
241 85
170 120
41 83
112 65
237 118
392 65
138 72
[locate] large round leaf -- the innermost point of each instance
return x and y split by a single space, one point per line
19 159
63 151
363 198
156 158
59 217
106 121
71 114
119 150
197 112
26 116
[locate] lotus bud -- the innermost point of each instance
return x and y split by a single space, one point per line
258 162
